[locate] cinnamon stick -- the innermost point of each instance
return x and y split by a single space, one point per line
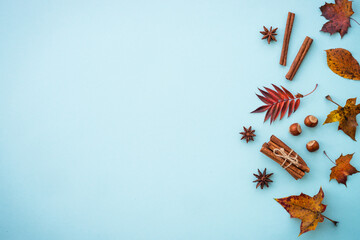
301 167
299 58
285 46
280 143
265 150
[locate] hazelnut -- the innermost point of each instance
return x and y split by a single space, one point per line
295 129
312 146
311 121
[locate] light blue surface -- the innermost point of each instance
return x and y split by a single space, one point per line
120 120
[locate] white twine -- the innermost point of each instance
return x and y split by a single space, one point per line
287 157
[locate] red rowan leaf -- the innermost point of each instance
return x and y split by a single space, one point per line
278 102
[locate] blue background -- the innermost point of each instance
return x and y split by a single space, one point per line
120 120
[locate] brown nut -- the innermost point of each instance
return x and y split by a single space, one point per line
312 146
311 121
295 129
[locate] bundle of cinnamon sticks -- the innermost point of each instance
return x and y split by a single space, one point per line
281 153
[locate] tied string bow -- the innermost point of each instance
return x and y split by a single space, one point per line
280 152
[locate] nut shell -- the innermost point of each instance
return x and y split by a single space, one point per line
312 146
295 129
311 121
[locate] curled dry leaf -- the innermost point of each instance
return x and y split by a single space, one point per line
341 62
278 102
346 116
338 15
308 209
342 169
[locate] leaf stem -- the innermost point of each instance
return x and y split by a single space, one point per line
330 99
334 222
355 21
311 91
329 158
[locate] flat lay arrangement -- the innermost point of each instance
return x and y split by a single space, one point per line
179 120
279 102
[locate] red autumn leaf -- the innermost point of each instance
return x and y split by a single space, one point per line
338 15
278 102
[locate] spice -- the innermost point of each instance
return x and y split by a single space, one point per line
299 58
285 157
269 34
248 134
288 29
262 179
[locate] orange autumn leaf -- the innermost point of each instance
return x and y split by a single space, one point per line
343 169
338 15
341 62
346 116
308 209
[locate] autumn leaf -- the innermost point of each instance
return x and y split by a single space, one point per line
346 116
341 62
278 102
308 209
338 15
342 169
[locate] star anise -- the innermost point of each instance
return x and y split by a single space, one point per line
262 179
269 34
248 134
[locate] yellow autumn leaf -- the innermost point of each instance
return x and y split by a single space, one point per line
308 209
341 62
346 116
